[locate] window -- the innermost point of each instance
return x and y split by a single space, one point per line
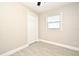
54 22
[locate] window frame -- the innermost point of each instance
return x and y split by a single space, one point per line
61 22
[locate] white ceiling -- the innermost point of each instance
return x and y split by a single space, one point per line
44 6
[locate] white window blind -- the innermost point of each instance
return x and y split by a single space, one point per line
54 22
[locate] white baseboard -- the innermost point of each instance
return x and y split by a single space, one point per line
61 45
17 49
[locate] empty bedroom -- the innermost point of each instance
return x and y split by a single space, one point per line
39 28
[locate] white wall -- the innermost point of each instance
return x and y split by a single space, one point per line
13 18
69 35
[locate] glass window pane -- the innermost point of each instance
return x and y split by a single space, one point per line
54 25
53 18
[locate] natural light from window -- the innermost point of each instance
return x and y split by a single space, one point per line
54 22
